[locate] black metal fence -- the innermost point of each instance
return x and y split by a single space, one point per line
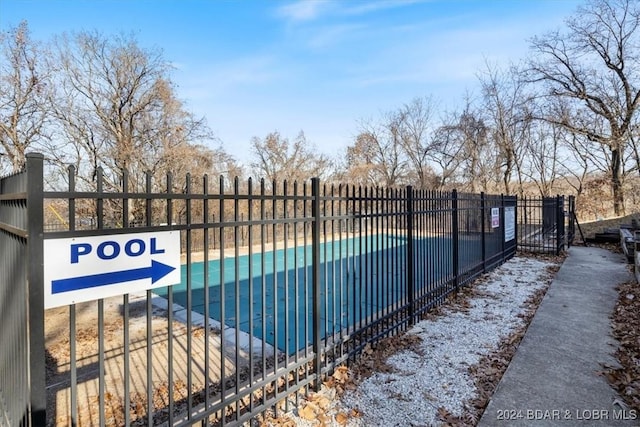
546 224
280 284
22 398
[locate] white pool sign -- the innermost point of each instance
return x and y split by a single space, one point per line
509 223
88 268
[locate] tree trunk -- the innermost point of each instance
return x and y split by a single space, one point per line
506 178
616 182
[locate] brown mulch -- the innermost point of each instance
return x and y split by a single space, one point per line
626 329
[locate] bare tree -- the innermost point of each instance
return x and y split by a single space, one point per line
415 123
24 84
446 154
593 72
477 159
541 156
578 161
360 164
277 159
117 106
377 156
507 116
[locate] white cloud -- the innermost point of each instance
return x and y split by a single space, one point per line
303 10
331 35
311 10
374 6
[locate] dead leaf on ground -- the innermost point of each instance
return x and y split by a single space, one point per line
341 418
307 413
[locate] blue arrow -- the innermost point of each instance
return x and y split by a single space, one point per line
156 272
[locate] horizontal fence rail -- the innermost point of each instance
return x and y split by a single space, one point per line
278 284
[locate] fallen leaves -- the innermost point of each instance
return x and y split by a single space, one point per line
319 407
489 370
626 329
341 418
374 359
308 412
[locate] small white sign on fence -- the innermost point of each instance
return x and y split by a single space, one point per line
509 223
495 217
88 268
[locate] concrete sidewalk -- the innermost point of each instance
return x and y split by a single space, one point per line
553 377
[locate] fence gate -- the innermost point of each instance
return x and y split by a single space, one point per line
22 379
546 224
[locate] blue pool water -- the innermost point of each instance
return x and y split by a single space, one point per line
270 293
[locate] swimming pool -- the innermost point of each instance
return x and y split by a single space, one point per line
269 294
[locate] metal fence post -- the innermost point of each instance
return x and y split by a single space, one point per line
572 220
515 216
560 235
410 261
315 278
35 201
502 225
483 230
454 240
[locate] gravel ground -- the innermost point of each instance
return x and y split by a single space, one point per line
429 380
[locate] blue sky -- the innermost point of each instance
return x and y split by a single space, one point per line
252 67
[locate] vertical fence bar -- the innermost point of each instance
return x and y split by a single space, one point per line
305 280
358 259
170 308
572 221
285 279
559 224
149 313
502 226
325 276
252 365
222 293
315 255
365 280
341 284
205 290
35 225
189 277
454 237
483 231
409 260
274 281
251 287
352 273
515 218
125 309
236 273
375 260
73 369
73 366
101 367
